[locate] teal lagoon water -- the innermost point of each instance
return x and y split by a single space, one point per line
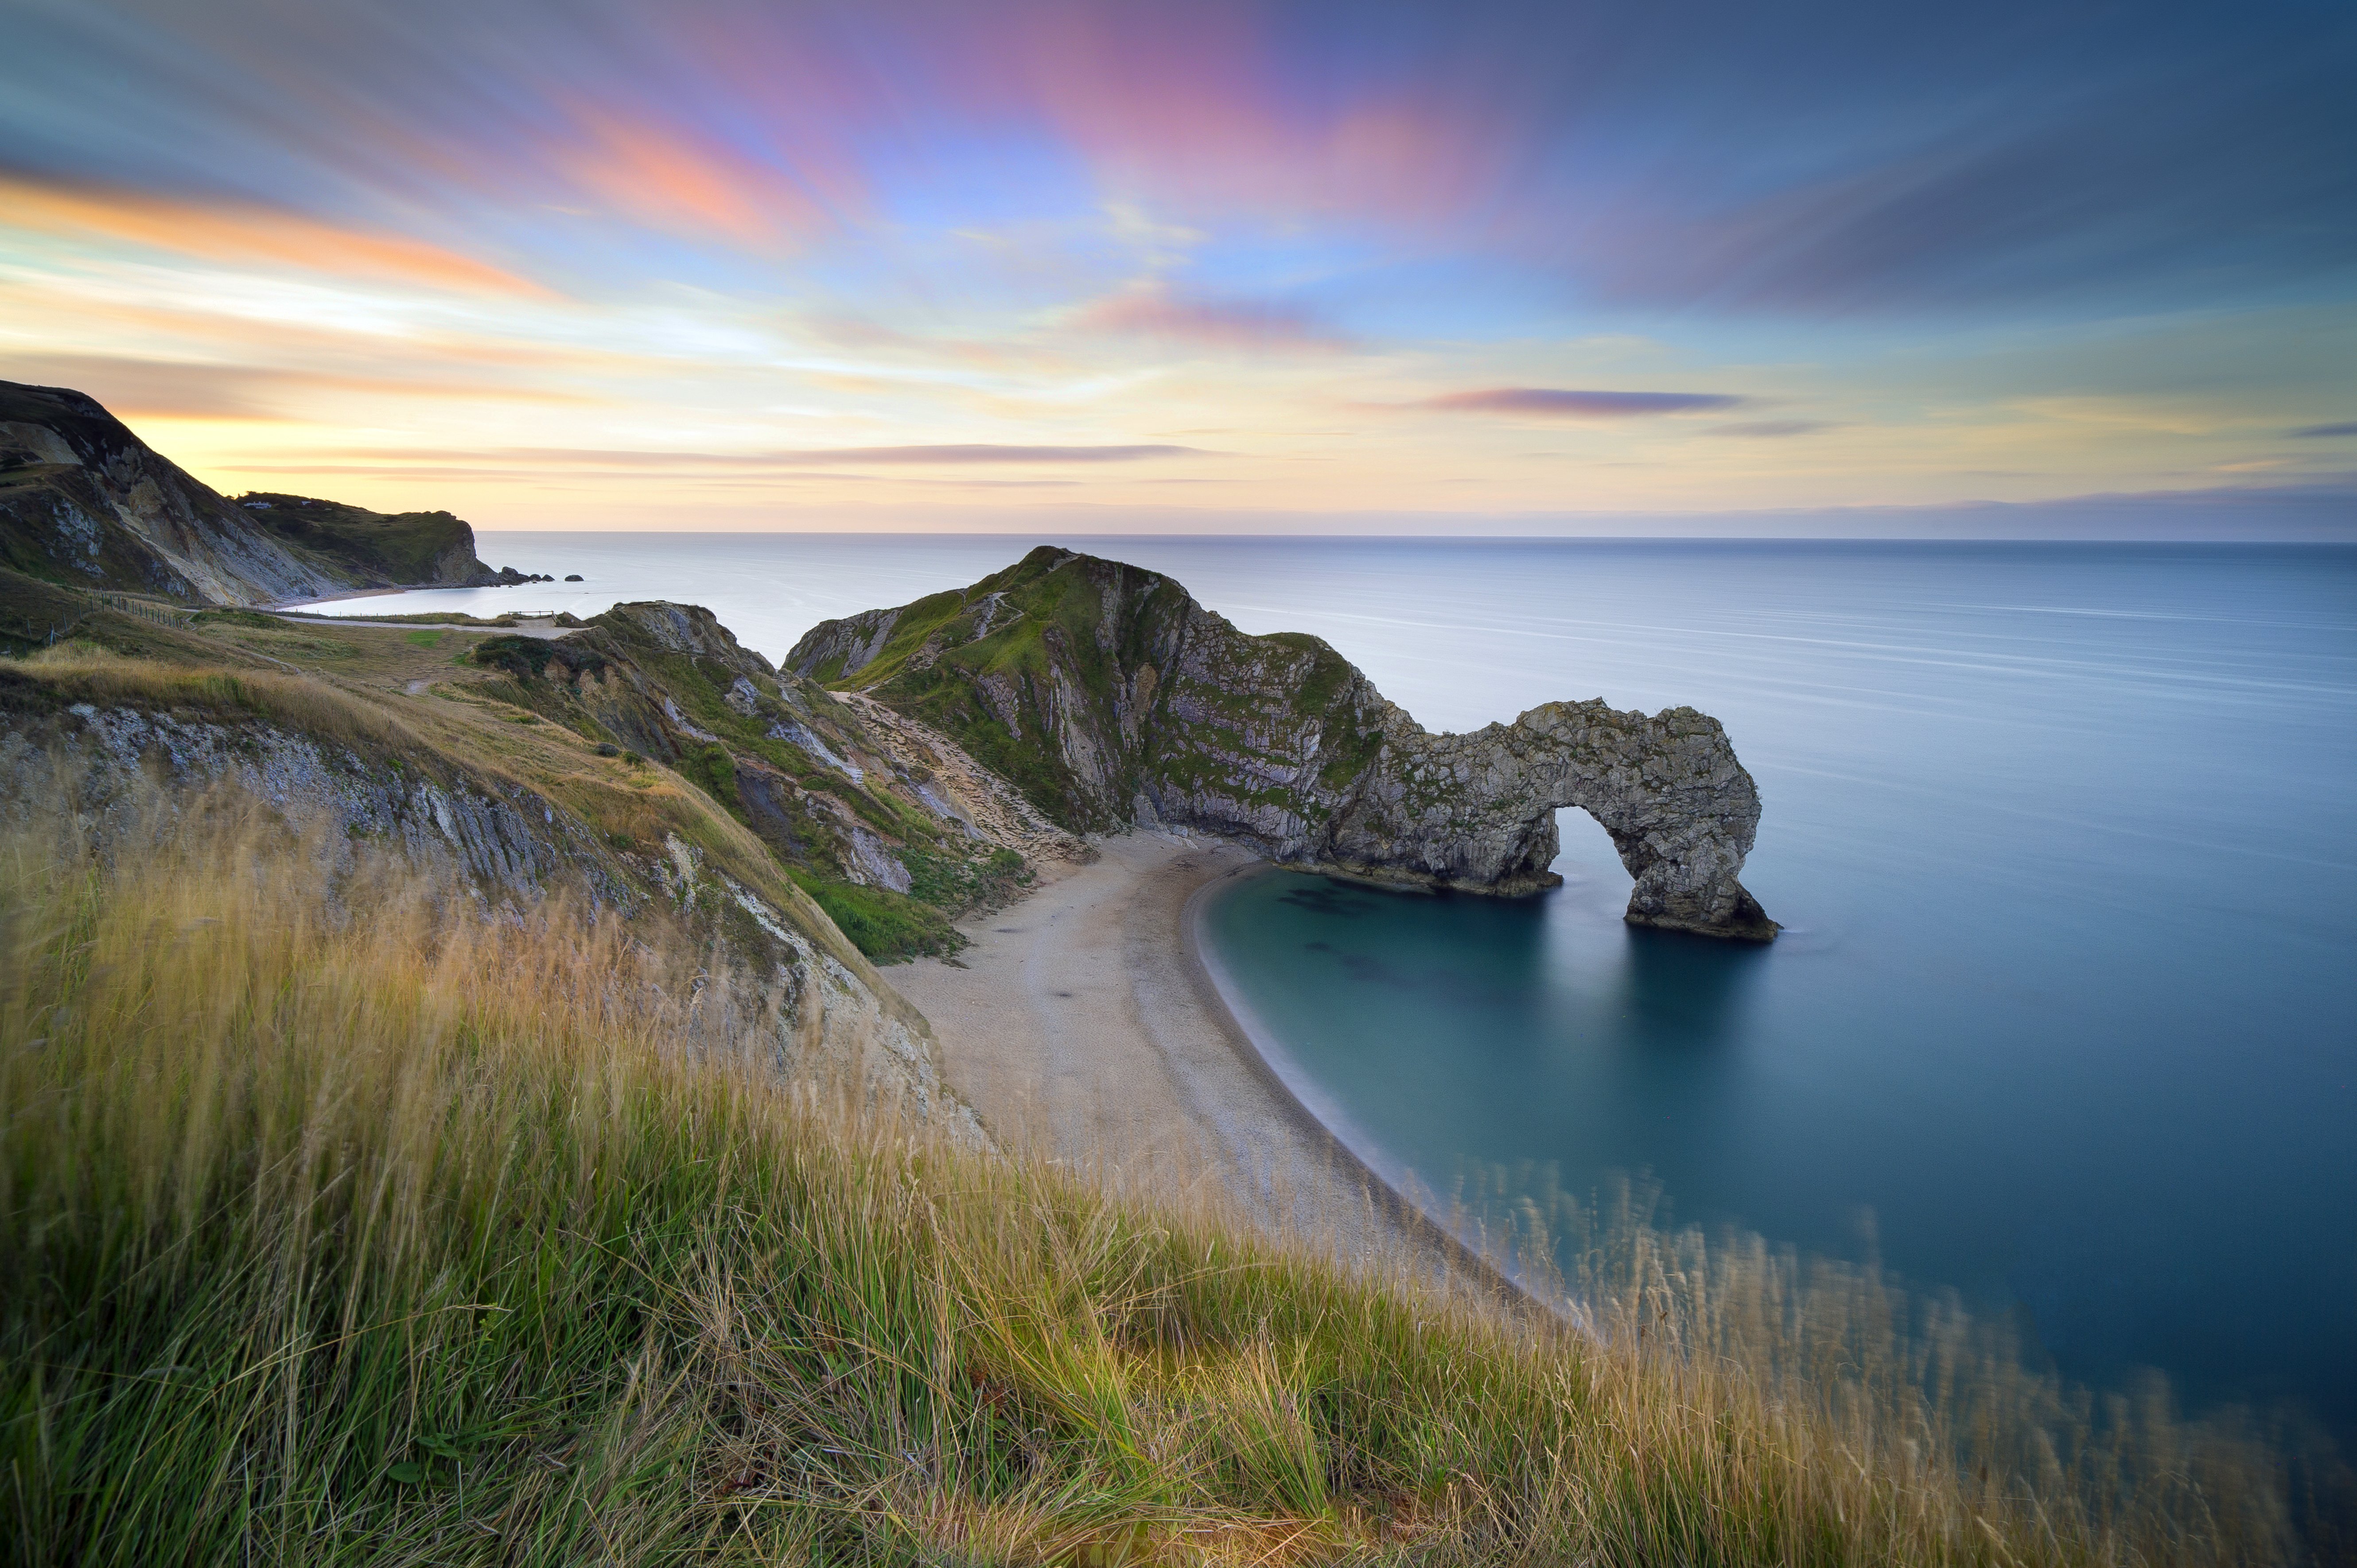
2063 1014
2062 836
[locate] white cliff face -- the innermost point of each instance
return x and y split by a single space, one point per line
1109 694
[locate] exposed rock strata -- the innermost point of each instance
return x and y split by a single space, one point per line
832 1018
1110 696
846 793
84 501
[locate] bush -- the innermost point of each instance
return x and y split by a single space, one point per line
526 658
712 769
885 926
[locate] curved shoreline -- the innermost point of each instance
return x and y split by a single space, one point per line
1085 1022
1262 1055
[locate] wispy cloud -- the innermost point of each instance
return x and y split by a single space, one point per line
1157 311
1555 402
987 452
672 179
244 233
2323 431
822 457
181 389
1771 429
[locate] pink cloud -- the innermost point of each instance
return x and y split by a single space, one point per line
1156 311
245 234
1185 105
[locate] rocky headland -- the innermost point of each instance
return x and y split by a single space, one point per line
1111 698
84 501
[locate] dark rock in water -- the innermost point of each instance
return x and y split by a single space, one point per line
572 576
83 501
1111 697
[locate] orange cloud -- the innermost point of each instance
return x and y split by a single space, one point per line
241 232
684 185
178 389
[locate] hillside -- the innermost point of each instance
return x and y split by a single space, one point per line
889 828
888 824
407 549
375 737
1110 696
84 502
434 1103
477 1234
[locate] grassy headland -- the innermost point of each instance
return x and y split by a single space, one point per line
354 1210
636 737
345 1221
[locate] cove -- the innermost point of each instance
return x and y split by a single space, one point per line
2060 835
2060 1018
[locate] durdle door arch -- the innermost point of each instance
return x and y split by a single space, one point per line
1477 811
1113 697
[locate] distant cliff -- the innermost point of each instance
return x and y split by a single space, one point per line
1110 696
85 502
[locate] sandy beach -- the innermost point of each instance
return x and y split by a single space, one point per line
1080 1023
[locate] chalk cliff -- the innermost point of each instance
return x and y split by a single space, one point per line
85 502
1109 696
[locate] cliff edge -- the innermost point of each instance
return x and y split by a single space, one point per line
1110 697
84 502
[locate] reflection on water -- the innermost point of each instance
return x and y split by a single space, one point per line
1681 992
2059 1010
2059 835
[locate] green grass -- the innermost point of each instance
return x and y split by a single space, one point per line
400 546
953 883
888 927
439 1237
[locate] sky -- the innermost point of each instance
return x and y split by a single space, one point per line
1363 267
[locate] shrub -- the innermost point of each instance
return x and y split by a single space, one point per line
712 769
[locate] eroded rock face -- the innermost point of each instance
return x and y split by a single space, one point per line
84 501
1110 697
833 1019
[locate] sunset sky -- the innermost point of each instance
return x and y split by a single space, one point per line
1435 267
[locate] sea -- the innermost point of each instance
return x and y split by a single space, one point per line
2065 841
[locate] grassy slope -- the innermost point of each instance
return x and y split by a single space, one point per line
477 686
1048 614
1052 612
414 1240
549 677
389 547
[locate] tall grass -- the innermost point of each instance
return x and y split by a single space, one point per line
81 673
343 1221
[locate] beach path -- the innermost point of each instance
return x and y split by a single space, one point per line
1080 1025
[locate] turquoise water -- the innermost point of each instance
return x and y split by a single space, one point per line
2062 836
2063 842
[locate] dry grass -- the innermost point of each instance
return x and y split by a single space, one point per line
342 1223
81 673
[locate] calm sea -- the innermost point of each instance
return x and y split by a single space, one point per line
2065 1013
